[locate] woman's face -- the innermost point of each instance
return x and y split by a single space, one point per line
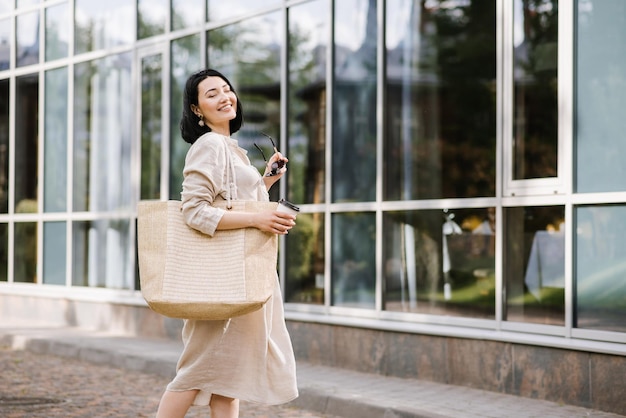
217 104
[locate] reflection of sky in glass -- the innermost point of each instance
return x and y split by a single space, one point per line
585 8
27 37
266 30
57 31
27 29
310 20
189 12
153 12
113 20
23 3
518 25
220 9
398 18
255 43
350 25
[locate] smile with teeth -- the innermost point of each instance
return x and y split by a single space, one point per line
227 107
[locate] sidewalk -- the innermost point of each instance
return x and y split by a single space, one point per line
326 390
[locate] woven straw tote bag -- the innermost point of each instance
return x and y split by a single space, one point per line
187 274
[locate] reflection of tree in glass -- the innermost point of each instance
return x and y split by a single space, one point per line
307 110
536 110
151 18
185 60
465 41
151 120
441 103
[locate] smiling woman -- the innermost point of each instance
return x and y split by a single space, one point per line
223 360
216 105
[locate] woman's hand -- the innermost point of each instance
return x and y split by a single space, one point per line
275 168
275 222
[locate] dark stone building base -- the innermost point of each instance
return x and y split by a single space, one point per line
571 377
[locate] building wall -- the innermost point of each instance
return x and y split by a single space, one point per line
459 166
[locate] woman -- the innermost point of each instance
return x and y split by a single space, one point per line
249 357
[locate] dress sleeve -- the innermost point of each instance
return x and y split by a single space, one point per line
203 181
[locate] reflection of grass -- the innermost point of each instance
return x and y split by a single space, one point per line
312 295
480 293
477 293
549 296
603 285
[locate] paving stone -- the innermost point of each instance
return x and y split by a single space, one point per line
44 385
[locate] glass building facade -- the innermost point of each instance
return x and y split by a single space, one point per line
457 162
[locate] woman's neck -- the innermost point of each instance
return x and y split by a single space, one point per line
221 129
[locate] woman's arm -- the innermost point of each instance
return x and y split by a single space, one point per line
203 179
274 222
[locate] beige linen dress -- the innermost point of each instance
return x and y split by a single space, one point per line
249 357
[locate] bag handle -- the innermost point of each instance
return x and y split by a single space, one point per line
231 178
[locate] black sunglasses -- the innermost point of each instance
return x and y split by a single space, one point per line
276 165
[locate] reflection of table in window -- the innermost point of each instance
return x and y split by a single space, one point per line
472 263
546 263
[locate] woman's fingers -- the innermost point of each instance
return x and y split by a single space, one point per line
283 222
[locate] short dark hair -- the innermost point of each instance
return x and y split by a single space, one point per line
189 128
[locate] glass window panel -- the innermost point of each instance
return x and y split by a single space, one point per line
218 9
152 17
440 126
601 96
103 111
151 126
4 146
354 101
535 264
535 107
54 247
249 55
25 3
308 44
353 261
27 39
185 59
5 44
304 277
103 24
4 252
57 31
26 140
187 13
6 6
440 263
600 268
55 142
101 254
25 257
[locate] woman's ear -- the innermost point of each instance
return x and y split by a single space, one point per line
195 109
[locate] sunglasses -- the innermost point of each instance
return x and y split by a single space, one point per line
276 165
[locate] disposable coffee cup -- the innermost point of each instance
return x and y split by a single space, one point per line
288 207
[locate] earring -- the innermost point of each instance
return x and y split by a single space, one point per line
201 121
